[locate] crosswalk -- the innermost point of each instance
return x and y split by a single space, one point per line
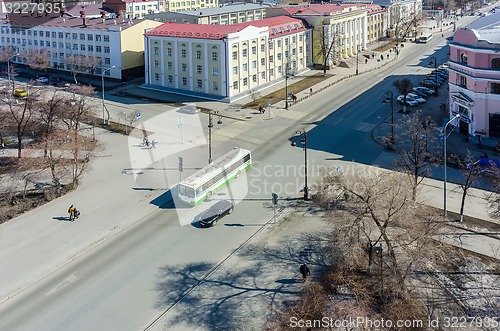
365 127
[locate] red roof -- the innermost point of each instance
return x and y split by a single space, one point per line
315 9
279 25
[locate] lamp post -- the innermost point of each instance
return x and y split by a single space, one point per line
357 59
210 126
444 184
303 140
286 84
102 83
389 95
434 61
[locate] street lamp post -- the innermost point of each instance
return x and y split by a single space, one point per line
286 85
102 83
389 95
303 140
434 61
210 126
357 59
444 184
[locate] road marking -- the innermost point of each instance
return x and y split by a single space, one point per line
67 281
363 126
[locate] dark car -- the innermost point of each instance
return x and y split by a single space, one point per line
211 216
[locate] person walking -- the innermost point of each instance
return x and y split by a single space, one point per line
153 143
304 270
73 213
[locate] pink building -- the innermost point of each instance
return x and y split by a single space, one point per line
474 77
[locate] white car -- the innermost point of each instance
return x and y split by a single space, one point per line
424 89
416 97
42 80
409 100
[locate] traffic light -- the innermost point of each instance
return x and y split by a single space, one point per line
181 164
275 199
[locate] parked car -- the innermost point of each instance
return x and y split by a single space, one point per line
428 83
440 74
420 93
416 98
42 80
433 78
409 100
211 216
20 93
424 89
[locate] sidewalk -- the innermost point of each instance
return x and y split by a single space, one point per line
42 240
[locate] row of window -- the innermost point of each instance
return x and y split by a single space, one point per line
184 81
54 34
60 45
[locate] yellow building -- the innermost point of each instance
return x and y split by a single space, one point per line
225 62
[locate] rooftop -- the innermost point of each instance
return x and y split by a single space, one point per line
282 24
323 9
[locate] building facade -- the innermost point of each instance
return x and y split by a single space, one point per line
180 5
223 15
133 9
474 80
225 62
99 38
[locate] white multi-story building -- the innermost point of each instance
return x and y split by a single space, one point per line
225 62
104 39
134 8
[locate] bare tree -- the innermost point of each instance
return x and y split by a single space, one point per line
402 21
418 148
79 107
82 64
50 113
404 87
35 59
329 45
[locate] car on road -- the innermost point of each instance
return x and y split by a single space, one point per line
42 80
212 215
409 100
416 97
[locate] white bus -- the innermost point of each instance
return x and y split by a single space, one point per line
203 183
425 38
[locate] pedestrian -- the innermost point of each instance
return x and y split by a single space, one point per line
366 61
73 213
260 109
153 143
144 141
147 142
381 56
304 270
387 56
310 90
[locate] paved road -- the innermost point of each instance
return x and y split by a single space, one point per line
128 280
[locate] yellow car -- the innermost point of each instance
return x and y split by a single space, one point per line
20 93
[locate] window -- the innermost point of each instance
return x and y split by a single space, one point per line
53 34
155 50
97 37
271 45
97 48
245 54
169 51
107 60
263 62
90 48
169 65
495 88
61 34
263 75
463 81
106 38
235 70
184 81
215 86
245 67
183 53
199 69
215 71
198 55
75 46
262 48
235 85
82 36
245 81
254 50
199 83
157 77
90 37
235 55
106 49
271 72
183 67
271 59
75 36
254 78
170 79
254 64
157 63
279 43
215 56
463 58
495 63
279 56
